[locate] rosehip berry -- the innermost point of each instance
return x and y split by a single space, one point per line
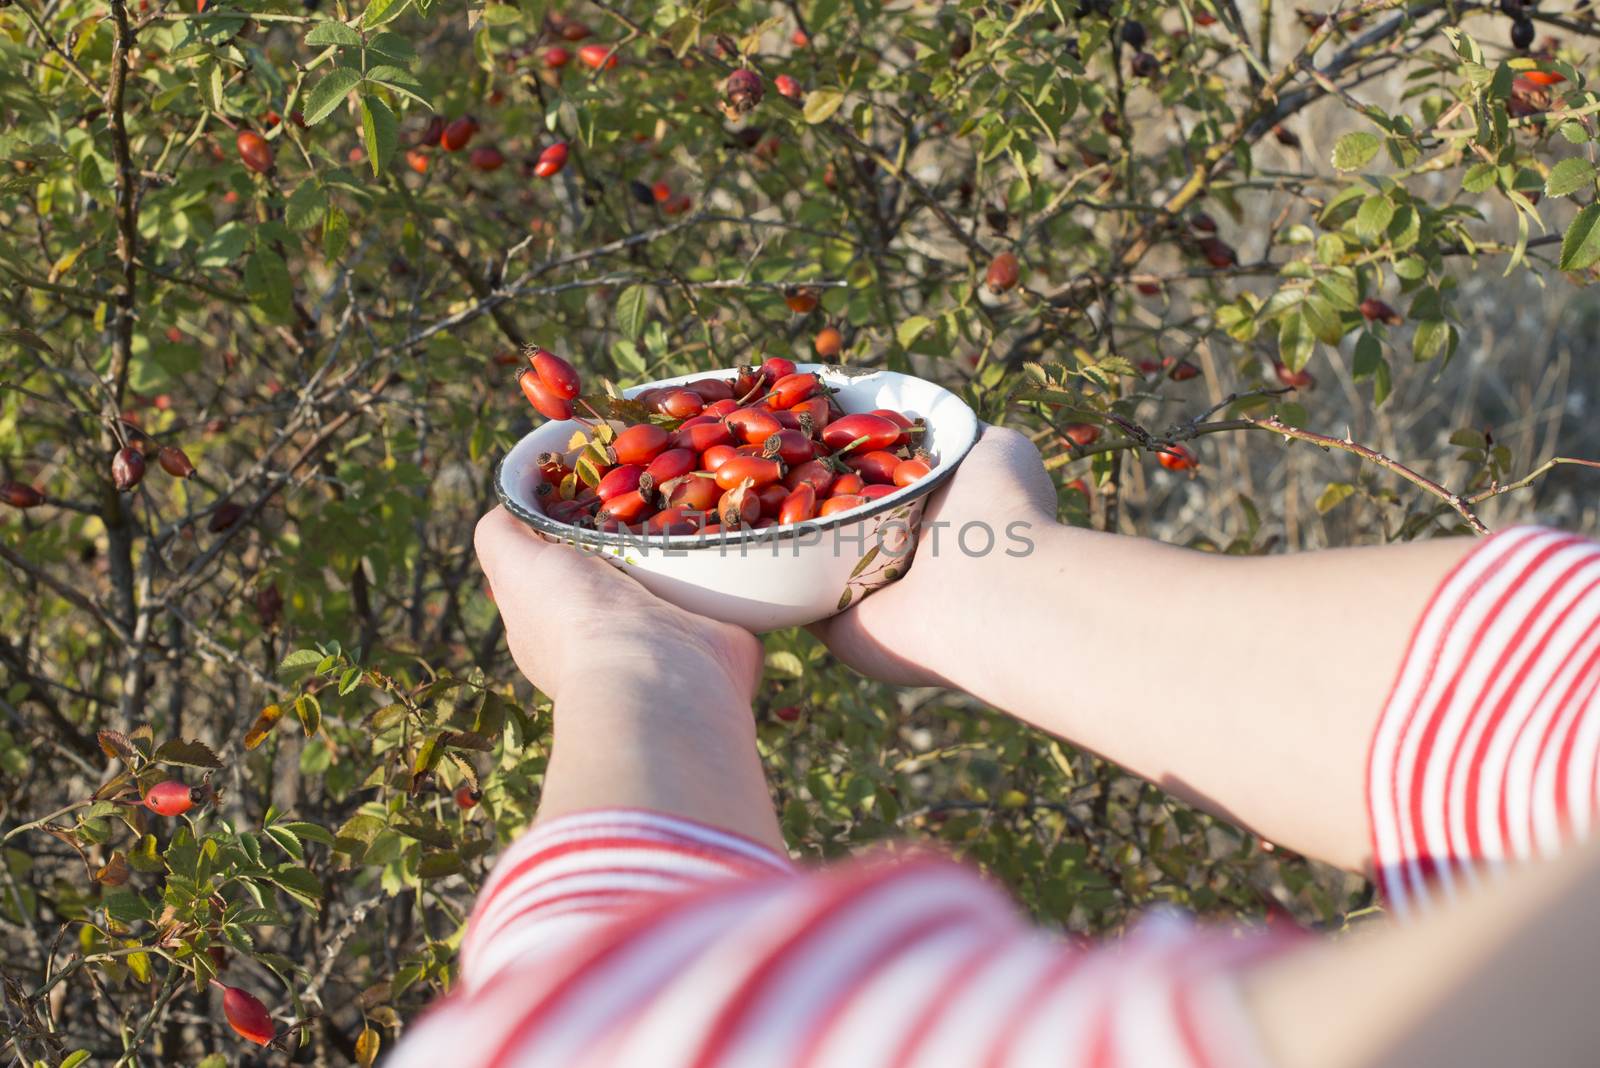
551 160
703 437
1202 223
872 431
170 798
127 468
1177 458
226 515
574 30
800 299
694 494
799 504
628 508
1004 273
847 485
876 466
753 425
759 470
800 39
672 521
743 91
1218 253
1077 485
1301 379
713 390
1204 18
899 420
681 404
18 495
542 398
662 192
247 1016
771 497
557 57
840 503
814 473
1081 434
674 463
487 158
624 478
456 134
432 132
598 56
876 490
909 471
417 160
790 446
467 797
677 205
254 152
641 443
787 86
791 389
1182 371
738 507
788 713
557 374
775 368
1374 310
828 342
175 462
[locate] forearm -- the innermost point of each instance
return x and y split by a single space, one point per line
1248 684
661 733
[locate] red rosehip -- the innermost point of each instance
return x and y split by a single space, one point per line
417 160
759 470
432 132
542 398
828 342
175 462
170 798
551 160
467 797
226 515
557 57
840 502
1301 379
1218 253
127 468
788 713
872 431
598 56
487 158
254 152
247 1016
1003 274
800 299
458 133
19 495
788 87
1081 434
1177 458
743 91
557 375
1374 310
641 443
1182 371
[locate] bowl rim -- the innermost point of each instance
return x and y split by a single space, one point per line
617 539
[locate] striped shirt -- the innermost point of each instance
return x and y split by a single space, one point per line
629 938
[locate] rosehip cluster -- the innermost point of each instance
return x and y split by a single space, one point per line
766 447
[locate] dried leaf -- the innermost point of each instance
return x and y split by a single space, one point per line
115 744
263 725
115 871
188 754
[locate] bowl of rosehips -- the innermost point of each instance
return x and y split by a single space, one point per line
766 496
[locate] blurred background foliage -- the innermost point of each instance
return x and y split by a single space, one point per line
1338 255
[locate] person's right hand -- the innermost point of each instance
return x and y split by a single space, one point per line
904 633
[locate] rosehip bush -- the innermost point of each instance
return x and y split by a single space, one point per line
267 271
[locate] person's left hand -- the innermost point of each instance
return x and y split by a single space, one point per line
571 616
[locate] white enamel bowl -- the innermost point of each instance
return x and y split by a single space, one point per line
783 576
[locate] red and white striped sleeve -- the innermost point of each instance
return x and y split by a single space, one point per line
624 939
1485 753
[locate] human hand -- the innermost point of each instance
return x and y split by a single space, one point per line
573 618
904 632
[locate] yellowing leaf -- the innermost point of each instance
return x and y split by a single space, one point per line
263 725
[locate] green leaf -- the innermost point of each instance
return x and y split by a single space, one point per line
1333 496
1479 177
333 32
1569 176
300 658
380 11
379 130
1580 248
305 207
335 233
309 711
393 47
633 310
1355 150
1374 217
349 681
188 754
266 280
1296 342
911 329
821 104
329 93
1431 339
